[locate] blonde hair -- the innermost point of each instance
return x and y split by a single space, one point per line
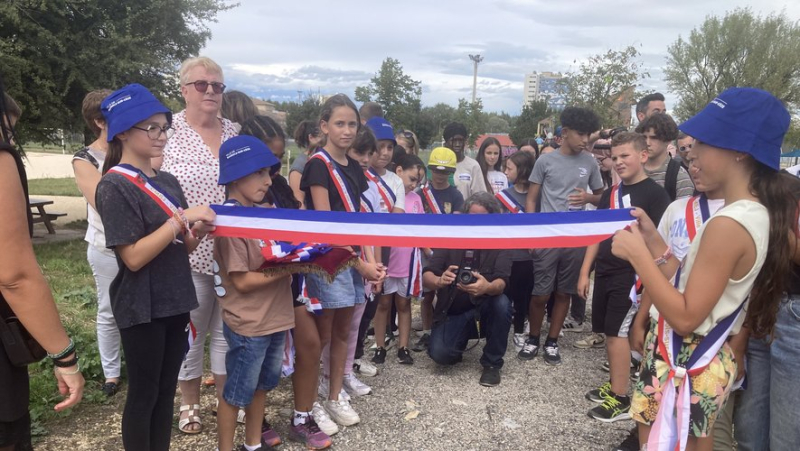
203 61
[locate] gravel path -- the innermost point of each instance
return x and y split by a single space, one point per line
536 407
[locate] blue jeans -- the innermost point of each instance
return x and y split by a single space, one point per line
253 363
767 413
449 337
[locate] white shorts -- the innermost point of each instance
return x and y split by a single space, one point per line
397 285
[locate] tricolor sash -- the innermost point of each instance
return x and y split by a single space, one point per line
615 203
386 193
509 202
415 275
697 213
162 198
430 200
366 205
670 431
338 180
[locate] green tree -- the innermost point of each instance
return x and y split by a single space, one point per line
740 49
472 116
398 94
603 81
432 122
792 140
527 124
497 124
55 51
308 109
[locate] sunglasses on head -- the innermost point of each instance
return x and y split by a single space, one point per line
202 86
407 134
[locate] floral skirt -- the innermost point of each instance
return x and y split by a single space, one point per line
710 389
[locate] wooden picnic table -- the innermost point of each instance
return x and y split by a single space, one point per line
40 215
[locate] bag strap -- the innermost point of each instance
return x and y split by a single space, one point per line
671 179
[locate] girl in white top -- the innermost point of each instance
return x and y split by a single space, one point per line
489 160
87 164
744 247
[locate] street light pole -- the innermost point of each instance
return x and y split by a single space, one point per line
476 59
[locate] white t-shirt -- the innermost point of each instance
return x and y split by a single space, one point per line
673 225
497 180
396 184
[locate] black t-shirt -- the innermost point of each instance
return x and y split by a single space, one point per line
449 199
647 195
163 287
316 174
493 264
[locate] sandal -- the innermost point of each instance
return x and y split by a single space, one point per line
191 418
240 417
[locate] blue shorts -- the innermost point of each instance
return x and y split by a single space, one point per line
346 290
252 363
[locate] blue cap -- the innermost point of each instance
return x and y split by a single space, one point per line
128 106
243 155
382 129
746 120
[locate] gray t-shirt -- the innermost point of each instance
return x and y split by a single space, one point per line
560 174
299 163
684 186
163 287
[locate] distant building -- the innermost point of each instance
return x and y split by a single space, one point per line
543 86
268 109
507 147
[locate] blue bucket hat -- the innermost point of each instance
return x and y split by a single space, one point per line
746 120
243 155
382 129
128 106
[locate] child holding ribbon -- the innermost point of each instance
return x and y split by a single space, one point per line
151 234
689 368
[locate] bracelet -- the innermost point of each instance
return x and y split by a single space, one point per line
182 220
664 257
176 228
67 363
67 351
71 373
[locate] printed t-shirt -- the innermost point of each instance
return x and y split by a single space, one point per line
498 181
672 226
469 177
559 174
161 288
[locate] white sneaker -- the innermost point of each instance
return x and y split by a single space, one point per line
365 368
570 325
323 420
519 340
341 412
324 386
355 387
527 330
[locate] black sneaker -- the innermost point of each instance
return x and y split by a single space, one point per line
110 389
551 355
614 408
599 394
380 356
490 376
529 350
422 344
631 442
404 357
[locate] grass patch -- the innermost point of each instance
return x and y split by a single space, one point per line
54 187
70 277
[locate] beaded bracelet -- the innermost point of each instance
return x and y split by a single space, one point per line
67 363
664 258
67 351
182 219
76 371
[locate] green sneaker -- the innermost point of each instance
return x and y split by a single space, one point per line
614 408
599 394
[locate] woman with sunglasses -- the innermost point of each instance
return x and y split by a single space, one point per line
408 140
192 156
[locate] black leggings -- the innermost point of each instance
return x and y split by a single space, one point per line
153 355
519 288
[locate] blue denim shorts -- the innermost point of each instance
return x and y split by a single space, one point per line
252 363
346 290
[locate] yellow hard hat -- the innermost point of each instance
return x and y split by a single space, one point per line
442 159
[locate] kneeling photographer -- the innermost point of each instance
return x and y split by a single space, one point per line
469 287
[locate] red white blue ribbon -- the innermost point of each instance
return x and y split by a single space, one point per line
697 213
338 180
430 200
155 192
500 231
615 203
389 198
509 202
415 275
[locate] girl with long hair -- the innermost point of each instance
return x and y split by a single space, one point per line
489 159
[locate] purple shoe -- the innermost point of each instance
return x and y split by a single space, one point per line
309 434
268 435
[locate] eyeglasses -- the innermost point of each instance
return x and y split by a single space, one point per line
154 132
202 86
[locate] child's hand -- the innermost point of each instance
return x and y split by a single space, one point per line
583 286
646 225
371 272
200 229
200 213
627 244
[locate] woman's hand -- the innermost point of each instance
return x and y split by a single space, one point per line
627 244
69 385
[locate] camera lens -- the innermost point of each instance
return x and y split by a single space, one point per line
464 277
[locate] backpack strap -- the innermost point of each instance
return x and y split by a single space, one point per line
671 179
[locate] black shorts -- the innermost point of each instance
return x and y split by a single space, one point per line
17 432
611 302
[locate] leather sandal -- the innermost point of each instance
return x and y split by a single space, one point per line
192 417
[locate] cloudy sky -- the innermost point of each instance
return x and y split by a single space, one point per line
273 49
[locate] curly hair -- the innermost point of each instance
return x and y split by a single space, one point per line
664 127
582 120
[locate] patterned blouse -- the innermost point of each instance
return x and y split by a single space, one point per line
190 160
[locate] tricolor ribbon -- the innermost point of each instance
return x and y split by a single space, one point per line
430 200
616 203
670 431
415 275
697 213
509 202
388 196
540 230
337 178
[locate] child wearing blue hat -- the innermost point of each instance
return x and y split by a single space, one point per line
257 309
690 367
151 230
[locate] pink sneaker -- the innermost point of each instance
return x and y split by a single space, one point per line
309 434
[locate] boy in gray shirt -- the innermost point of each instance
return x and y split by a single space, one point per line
561 178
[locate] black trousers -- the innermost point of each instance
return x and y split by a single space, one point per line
519 288
153 355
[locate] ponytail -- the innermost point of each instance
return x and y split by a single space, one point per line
114 154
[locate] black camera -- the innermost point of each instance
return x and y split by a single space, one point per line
464 275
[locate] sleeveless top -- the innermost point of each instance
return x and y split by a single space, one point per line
754 218
95 234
